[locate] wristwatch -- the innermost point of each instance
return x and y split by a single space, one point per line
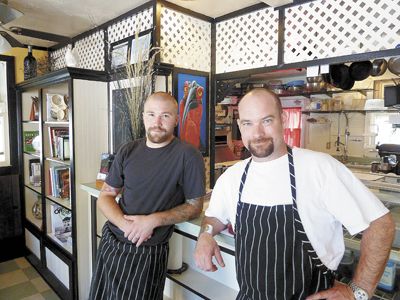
359 293
207 228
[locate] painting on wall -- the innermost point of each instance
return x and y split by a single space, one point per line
191 92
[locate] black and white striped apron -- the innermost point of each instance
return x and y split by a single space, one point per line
124 271
274 258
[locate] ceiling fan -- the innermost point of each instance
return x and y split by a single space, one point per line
8 14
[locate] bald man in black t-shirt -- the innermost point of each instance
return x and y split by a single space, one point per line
163 184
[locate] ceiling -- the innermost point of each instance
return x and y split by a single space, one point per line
72 17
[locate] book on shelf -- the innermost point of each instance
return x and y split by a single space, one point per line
28 137
105 164
35 178
61 223
57 145
59 185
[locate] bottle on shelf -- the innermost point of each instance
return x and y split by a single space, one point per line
30 65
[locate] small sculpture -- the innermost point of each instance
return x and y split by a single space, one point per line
71 57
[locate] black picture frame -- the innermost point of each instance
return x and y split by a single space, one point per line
193 126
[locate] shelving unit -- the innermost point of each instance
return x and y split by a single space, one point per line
67 151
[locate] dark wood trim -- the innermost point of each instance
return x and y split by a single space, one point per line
304 64
213 97
105 25
63 75
185 11
281 36
57 286
242 11
40 34
157 28
93 221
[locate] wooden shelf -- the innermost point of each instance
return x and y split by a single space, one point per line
59 161
66 246
348 111
64 202
203 286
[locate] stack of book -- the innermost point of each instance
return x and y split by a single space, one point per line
34 172
59 182
59 142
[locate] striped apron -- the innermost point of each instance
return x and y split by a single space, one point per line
124 271
274 258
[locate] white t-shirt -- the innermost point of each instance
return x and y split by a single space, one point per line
328 195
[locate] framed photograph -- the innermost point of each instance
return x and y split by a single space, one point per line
140 47
119 53
191 92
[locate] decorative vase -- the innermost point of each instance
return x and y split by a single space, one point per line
30 65
71 57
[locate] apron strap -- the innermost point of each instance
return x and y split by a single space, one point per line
297 221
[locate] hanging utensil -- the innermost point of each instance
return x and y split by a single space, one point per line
379 67
360 70
394 65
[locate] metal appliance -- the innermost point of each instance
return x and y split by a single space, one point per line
390 159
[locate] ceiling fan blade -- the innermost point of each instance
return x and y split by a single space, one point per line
12 41
7 14
40 35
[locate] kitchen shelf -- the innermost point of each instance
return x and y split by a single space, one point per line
203 286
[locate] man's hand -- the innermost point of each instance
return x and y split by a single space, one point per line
339 291
206 249
139 228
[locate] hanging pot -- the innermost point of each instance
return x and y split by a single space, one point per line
360 70
379 67
394 65
340 76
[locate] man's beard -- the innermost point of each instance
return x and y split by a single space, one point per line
158 137
264 149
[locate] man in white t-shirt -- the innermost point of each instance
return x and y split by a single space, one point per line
287 207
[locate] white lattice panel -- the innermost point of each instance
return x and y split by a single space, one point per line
57 58
322 29
128 27
247 41
185 41
91 51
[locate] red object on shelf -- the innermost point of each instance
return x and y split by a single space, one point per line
292 132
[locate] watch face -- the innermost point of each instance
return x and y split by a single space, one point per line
359 293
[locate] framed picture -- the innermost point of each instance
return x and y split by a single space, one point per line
119 53
140 47
191 92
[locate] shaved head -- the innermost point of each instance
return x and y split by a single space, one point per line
264 94
163 96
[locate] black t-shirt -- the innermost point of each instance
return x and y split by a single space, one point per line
155 179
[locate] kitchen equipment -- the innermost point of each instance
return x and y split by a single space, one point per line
314 79
315 86
390 156
394 65
360 70
340 76
379 67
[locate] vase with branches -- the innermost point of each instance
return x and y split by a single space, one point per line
135 81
